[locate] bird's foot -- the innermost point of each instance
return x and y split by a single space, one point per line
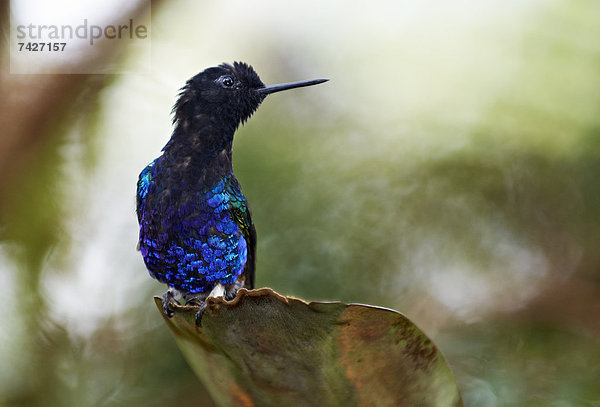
197 302
199 314
232 289
168 301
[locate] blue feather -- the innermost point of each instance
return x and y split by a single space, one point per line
197 237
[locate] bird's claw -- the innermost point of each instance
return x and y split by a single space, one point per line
168 301
202 306
199 314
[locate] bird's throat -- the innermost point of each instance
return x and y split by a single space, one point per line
204 156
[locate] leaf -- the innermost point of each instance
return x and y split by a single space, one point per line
263 349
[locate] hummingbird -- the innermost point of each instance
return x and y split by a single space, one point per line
196 230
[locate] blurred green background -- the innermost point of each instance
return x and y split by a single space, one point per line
449 170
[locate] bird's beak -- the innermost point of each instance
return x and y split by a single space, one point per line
285 86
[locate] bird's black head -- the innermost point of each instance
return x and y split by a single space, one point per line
225 93
224 96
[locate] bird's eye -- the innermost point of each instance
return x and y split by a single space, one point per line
227 81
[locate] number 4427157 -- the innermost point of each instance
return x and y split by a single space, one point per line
42 46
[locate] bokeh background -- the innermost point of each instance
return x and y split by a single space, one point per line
450 170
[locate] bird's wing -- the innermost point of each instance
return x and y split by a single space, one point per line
144 181
240 212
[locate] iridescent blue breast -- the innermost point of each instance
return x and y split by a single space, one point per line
191 237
